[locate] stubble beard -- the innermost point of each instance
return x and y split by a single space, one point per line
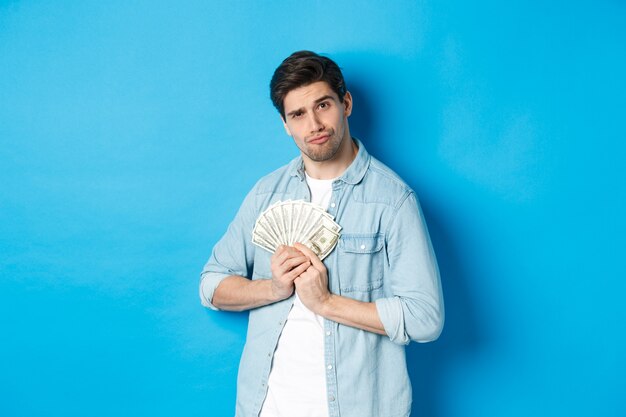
325 152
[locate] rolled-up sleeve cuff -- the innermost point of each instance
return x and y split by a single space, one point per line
208 283
392 316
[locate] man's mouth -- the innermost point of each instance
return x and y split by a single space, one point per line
318 140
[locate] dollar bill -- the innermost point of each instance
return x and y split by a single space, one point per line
287 222
322 242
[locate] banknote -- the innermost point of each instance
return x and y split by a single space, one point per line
296 221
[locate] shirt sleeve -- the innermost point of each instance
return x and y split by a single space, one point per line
233 254
415 309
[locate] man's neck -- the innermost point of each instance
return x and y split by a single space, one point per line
333 168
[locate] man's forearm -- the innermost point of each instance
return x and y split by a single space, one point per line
354 313
236 293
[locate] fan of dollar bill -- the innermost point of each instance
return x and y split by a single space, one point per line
288 222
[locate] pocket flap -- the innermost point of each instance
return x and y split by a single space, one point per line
365 243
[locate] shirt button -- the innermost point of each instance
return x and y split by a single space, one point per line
329 367
327 333
362 247
331 397
332 205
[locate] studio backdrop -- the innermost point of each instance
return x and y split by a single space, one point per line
130 133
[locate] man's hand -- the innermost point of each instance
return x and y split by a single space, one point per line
287 264
312 284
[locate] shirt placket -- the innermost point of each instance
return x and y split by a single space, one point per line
330 327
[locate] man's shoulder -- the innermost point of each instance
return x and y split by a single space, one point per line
387 182
388 174
277 179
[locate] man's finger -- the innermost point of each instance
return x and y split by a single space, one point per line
278 254
293 262
283 255
293 251
296 272
315 260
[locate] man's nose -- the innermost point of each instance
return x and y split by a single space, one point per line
315 123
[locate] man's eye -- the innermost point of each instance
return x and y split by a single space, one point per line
324 105
297 115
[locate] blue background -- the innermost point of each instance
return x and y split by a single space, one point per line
131 131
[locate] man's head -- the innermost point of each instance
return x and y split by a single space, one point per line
303 68
309 92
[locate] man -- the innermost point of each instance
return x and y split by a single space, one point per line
327 338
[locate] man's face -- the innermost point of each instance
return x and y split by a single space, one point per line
317 120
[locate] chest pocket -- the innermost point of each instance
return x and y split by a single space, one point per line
361 263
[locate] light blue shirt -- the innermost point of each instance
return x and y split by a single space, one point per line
384 256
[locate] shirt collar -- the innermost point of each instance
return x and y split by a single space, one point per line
352 175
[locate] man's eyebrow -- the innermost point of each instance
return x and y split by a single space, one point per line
317 101
300 110
326 97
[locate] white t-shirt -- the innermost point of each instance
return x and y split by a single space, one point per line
297 381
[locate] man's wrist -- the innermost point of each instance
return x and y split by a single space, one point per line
274 294
325 306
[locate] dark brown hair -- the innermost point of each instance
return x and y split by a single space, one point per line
303 68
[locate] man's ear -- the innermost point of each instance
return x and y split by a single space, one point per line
347 104
286 127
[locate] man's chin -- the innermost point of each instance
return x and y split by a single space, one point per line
321 156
